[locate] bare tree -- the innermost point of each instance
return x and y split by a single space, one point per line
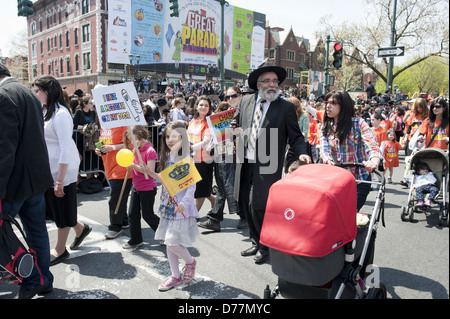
422 27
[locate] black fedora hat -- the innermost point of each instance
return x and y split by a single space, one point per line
264 68
162 102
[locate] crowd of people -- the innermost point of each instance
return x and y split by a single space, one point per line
331 130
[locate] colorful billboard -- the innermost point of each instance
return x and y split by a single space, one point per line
148 30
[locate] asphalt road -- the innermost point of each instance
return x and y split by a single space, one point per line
413 259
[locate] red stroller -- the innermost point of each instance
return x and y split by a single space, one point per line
317 250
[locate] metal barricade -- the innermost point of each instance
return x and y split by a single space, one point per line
91 163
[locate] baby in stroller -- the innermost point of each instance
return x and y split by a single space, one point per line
424 182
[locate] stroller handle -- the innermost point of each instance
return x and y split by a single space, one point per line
375 171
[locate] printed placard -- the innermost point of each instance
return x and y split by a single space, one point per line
118 105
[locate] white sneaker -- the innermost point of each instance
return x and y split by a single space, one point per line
128 246
113 234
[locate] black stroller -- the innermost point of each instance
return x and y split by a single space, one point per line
345 270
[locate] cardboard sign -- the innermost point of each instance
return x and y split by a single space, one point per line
179 176
118 105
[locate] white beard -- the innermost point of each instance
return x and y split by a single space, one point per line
269 94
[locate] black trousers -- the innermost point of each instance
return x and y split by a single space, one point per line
121 218
141 204
254 217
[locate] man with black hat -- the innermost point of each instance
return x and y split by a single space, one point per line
25 174
267 124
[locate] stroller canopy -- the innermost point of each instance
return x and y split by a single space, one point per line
311 212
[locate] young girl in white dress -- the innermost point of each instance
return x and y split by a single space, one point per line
178 223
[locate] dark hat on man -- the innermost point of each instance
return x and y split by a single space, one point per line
4 70
79 93
162 102
264 68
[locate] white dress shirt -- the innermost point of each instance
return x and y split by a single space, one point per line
249 154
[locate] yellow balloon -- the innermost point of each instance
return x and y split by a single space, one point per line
125 157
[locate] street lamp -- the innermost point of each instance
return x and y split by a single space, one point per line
131 57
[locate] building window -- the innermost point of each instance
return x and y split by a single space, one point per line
60 16
86 29
42 47
33 49
75 31
272 54
61 65
60 40
67 38
40 25
48 45
42 68
290 55
87 60
68 65
290 73
33 28
77 63
85 6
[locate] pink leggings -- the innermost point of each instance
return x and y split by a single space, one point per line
174 253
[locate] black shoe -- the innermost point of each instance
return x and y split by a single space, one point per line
78 240
28 293
60 258
262 256
209 224
249 252
403 183
242 224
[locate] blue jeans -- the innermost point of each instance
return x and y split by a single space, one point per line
31 211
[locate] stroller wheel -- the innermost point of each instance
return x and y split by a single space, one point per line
377 293
404 214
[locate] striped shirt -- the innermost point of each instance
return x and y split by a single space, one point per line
360 146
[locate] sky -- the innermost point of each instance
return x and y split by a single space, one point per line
302 15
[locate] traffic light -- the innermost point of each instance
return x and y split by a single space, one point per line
24 8
337 55
174 8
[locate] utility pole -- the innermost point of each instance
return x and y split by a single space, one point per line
391 59
222 35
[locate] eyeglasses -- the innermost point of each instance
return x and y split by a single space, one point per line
331 102
232 96
267 81
437 106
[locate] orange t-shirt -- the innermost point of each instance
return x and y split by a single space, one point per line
386 124
197 130
113 136
390 154
438 141
313 136
379 134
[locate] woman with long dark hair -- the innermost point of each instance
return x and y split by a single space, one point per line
61 199
347 138
436 125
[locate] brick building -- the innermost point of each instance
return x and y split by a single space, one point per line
67 39
285 49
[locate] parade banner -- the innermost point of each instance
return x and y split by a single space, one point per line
119 29
118 105
179 176
145 28
218 125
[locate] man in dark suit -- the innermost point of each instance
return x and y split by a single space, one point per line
267 124
25 174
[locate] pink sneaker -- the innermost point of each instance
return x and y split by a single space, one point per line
427 203
420 203
189 271
169 283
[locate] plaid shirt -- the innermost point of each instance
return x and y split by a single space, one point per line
359 146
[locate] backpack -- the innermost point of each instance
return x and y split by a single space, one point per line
16 261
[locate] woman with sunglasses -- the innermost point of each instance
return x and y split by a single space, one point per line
347 138
233 96
436 124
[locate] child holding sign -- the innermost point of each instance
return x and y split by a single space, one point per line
143 192
178 224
